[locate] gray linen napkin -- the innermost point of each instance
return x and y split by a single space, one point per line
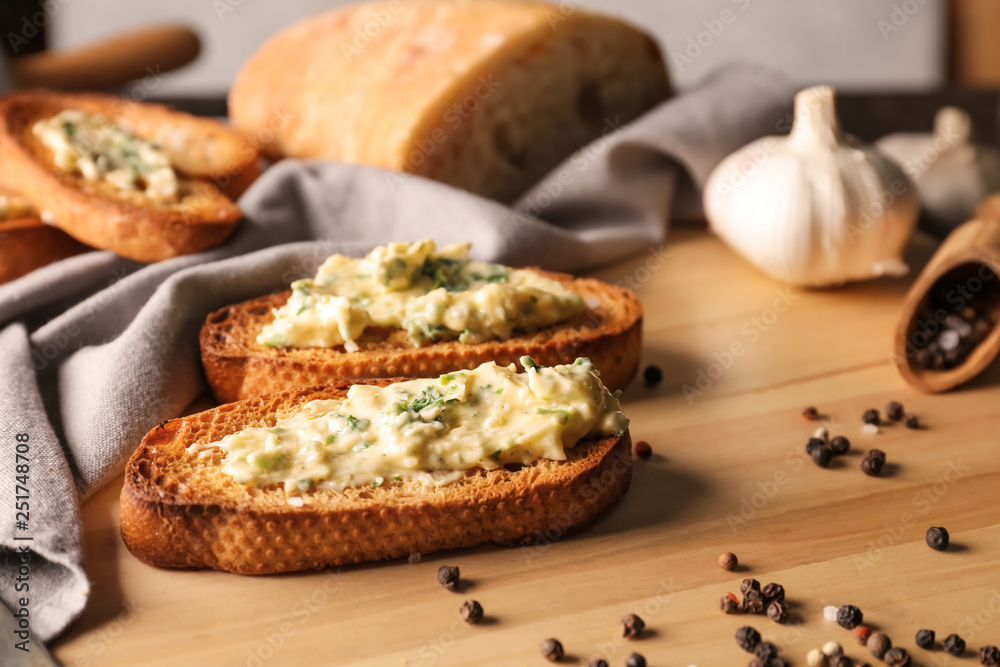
96 350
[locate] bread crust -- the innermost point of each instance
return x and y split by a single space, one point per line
237 367
130 224
181 511
28 243
485 95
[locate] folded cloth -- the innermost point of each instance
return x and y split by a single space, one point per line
97 350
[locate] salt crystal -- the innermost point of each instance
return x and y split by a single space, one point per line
870 429
832 648
414 558
815 658
948 340
830 613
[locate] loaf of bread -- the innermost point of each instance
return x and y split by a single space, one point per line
211 163
485 95
26 243
179 509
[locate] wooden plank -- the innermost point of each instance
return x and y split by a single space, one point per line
728 474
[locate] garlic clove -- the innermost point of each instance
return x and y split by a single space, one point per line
817 208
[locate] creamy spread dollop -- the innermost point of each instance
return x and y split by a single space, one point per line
93 146
432 293
12 208
428 430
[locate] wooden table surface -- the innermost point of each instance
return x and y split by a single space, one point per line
728 474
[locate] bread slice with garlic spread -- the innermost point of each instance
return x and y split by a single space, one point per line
309 478
26 243
485 95
413 310
142 180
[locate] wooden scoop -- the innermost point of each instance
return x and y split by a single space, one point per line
109 63
966 265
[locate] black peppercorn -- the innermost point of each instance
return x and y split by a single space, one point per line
873 463
729 604
822 456
772 592
989 656
643 450
635 660
871 416
747 638
766 651
632 626
897 657
749 584
849 617
937 538
753 602
777 662
878 644
600 662
777 611
894 411
841 661
472 611
810 413
652 375
840 445
925 639
813 444
954 645
912 422
552 649
448 577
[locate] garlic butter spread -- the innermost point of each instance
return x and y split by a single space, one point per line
431 293
12 208
427 430
92 146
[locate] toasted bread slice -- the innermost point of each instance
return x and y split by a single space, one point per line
203 152
609 332
181 510
26 243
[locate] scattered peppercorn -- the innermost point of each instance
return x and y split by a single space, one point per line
643 450
989 656
954 645
448 577
832 648
937 538
749 584
925 639
862 632
728 561
753 602
815 658
632 626
652 375
766 651
777 611
912 422
873 463
840 445
747 638
841 661
871 416
849 617
600 662
897 657
773 592
552 650
729 604
878 644
635 660
894 411
810 413
822 456
813 444
472 611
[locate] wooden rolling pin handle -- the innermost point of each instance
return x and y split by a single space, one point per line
975 243
109 63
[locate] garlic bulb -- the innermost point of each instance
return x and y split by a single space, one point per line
953 174
815 208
